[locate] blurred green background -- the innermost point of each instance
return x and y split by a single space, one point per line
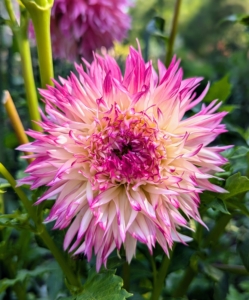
210 44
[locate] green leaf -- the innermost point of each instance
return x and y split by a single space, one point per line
244 285
212 272
235 185
114 262
221 288
4 183
22 275
16 220
238 205
181 257
211 200
243 246
5 283
156 28
102 286
229 108
236 152
4 21
242 19
219 90
234 294
219 205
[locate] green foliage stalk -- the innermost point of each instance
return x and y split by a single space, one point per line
21 35
40 12
159 276
41 230
172 36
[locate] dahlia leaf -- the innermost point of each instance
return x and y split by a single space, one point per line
237 205
212 272
5 283
102 286
235 185
210 200
229 108
16 220
3 21
156 27
181 257
22 275
221 288
4 184
242 19
114 262
220 89
242 248
236 152
219 205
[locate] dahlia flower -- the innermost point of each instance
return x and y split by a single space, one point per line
119 157
79 27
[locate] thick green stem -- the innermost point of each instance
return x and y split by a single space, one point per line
126 276
21 35
184 283
28 75
218 229
172 36
9 8
72 279
159 278
212 240
154 270
40 15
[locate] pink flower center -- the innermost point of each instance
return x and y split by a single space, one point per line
126 150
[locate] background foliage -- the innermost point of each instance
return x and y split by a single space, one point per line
213 42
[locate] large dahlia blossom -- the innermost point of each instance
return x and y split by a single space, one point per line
79 27
119 157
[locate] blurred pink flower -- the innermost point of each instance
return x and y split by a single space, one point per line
79 27
119 157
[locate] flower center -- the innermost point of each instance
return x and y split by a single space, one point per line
126 149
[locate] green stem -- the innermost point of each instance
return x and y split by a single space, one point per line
1 204
72 279
28 75
1 210
18 288
217 230
154 270
184 283
126 276
159 279
21 36
173 32
212 239
9 8
41 20
27 204
235 269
